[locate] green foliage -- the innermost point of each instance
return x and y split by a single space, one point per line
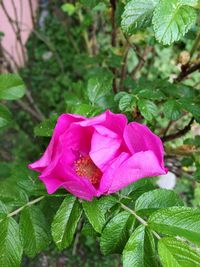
116 233
175 253
180 221
137 15
172 19
11 87
157 199
65 222
35 231
91 56
140 249
10 243
5 116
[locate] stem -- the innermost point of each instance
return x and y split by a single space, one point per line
195 45
180 133
114 41
15 212
142 221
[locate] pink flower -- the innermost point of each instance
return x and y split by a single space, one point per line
99 155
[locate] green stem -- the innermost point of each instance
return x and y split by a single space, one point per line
15 212
195 46
141 220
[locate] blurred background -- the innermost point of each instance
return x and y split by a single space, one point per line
57 46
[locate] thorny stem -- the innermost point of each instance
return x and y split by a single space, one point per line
142 221
15 212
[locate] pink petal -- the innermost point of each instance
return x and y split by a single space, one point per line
105 146
138 166
138 138
64 121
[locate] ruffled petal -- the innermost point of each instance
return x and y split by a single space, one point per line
105 146
138 166
138 138
63 123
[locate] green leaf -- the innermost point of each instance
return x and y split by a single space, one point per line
11 87
10 243
147 108
179 221
172 109
136 189
95 214
140 249
68 8
99 86
5 116
157 199
137 15
65 222
127 103
116 233
35 231
86 110
175 253
172 19
46 127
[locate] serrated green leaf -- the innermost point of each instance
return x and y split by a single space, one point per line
134 190
172 110
140 249
46 127
34 230
99 86
5 116
172 20
65 222
11 87
175 253
147 108
127 102
116 233
177 221
10 243
95 214
157 199
137 15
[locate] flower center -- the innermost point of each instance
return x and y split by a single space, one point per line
86 167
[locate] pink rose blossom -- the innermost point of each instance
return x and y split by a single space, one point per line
99 155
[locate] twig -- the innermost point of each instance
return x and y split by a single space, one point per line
185 72
26 205
141 220
113 40
195 45
123 70
141 63
32 13
180 133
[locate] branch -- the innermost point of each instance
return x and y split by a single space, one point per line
180 133
113 40
141 220
185 72
123 70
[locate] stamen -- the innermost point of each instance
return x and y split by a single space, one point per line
86 167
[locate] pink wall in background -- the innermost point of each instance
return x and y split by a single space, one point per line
9 42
